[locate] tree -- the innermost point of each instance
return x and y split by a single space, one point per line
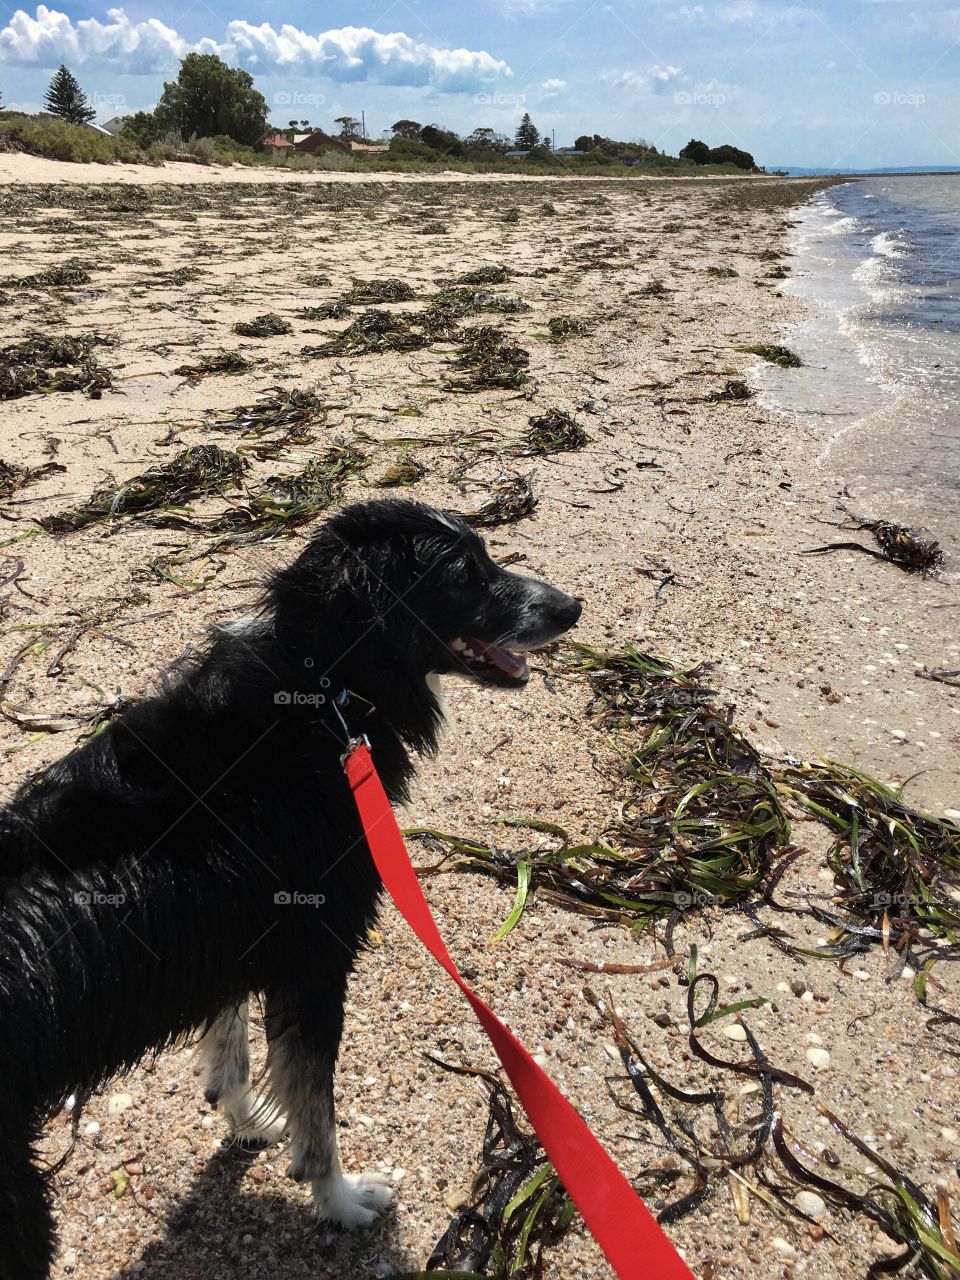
66 99
143 129
209 98
349 128
732 155
405 129
439 139
696 151
527 135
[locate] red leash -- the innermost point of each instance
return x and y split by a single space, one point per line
633 1241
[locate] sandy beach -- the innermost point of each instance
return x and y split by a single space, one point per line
680 523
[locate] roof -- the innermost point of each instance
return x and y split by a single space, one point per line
314 141
276 140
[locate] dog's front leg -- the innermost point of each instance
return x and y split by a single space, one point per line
225 1055
303 1035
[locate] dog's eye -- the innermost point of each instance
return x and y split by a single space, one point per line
463 572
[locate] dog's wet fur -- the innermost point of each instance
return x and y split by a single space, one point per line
205 845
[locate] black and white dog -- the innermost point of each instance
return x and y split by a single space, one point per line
154 877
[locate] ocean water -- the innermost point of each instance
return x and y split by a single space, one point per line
878 263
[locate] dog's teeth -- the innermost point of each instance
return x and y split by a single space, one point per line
458 644
468 653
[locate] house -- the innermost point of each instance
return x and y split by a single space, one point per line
113 125
568 151
276 143
318 140
369 148
515 155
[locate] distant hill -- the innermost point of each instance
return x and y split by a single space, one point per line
796 172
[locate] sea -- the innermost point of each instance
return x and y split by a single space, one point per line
877 261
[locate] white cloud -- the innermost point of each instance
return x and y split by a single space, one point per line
551 88
642 82
342 54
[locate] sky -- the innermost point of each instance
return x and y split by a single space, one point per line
839 84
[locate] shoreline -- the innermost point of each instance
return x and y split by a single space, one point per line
680 524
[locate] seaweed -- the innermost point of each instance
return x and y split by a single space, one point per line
554 431
277 412
13 476
265 326
909 549
723 273
68 273
512 500
405 471
227 362
40 364
176 277
733 390
282 503
195 472
485 275
433 228
891 1198
517 1205
365 292
564 327
371 331
894 868
773 354
325 311
487 361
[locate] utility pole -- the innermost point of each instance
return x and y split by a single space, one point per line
553 135
363 120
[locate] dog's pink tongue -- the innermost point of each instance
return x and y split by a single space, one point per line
511 663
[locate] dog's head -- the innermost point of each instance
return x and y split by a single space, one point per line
395 590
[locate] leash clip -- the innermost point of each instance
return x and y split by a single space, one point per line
353 741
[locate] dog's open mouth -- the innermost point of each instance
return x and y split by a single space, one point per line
490 661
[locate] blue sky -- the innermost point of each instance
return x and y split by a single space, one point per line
840 83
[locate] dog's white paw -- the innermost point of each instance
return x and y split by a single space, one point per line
255 1133
352 1200
253 1121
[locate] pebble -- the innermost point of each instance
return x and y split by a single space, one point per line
783 1247
735 1032
91 1128
818 1057
118 1102
952 814
950 1135
810 1203
861 975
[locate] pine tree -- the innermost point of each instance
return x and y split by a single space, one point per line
528 135
66 99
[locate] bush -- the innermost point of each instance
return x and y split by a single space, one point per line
57 140
412 149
